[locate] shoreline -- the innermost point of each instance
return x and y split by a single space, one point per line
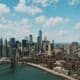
50 71
66 77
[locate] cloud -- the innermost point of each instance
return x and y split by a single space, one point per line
40 20
62 33
58 35
56 21
45 3
63 36
52 21
22 7
77 26
16 29
74 2
22 22
4 9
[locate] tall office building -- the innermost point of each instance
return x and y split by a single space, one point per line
49 50
30 39
24 48
74 50
12 47
6 49
38 43
1 47
18 44
12 43
52 45
23 43
38 40
27 39
74 47
40 37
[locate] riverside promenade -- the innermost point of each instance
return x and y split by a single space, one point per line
51 71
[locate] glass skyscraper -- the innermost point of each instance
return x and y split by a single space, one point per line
6 49
40 37
12 47
30 39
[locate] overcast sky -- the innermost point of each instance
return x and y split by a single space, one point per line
58 19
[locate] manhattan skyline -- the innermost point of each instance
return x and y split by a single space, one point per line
58 19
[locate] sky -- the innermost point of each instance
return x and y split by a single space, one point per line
59 20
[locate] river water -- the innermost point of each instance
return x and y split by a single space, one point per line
24 73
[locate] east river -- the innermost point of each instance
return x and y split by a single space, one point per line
25 73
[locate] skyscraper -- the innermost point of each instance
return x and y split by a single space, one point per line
18 44
52 45
1 47
6 49
12 47
40 37
74 47
74 50
30 39
23 43
27 39
12 43
38 40
24 48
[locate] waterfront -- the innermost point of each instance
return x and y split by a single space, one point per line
25 73
50 71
